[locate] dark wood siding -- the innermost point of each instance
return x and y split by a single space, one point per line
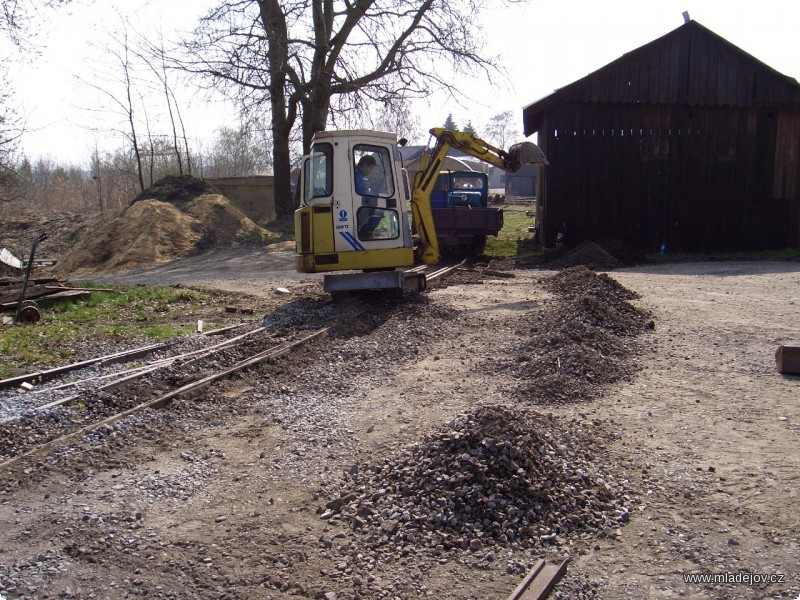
687 141
690 65
693 178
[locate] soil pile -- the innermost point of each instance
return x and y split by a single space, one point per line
585 340
590 255
19 229
151 231
605 254
177 190
499 476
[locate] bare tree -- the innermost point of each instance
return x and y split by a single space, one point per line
15 19
17 15
157 62
305 60
502 130
10 132
133 82
239 152
97 178
123 99
400 120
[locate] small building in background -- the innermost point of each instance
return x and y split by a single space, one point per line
254 195
455 161
688 142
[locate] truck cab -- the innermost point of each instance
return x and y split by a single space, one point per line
467 189
461 212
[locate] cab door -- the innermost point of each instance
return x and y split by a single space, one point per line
375 221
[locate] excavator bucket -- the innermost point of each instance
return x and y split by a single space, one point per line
525 153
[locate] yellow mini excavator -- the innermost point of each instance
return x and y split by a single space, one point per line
354 223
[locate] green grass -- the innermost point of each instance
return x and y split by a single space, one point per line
282 229
141 314
514 240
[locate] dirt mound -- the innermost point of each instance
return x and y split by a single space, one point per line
501 476
177 190
20 228
151 231
628 255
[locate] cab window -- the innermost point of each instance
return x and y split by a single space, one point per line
372 169
377 223
306 190
320 177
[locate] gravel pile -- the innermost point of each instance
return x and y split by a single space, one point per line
584 340
590 255
498 477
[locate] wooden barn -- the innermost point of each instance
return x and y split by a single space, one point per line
687 141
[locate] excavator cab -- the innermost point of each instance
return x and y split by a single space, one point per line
354 222
354 213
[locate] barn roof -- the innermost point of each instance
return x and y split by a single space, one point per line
690 65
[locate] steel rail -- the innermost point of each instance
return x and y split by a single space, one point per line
444 271
134 374
539 581
124 356
269 354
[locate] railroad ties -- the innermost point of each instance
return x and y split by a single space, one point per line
123 378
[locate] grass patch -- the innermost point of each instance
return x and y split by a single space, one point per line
141 314
514 240
281 229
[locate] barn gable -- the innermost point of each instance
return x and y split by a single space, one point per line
687 141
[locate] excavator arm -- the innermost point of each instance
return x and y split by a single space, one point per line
430 165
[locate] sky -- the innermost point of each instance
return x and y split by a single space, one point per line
542 46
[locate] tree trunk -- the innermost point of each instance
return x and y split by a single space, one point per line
277 54
315 117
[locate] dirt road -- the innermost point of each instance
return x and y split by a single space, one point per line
224 499
712 430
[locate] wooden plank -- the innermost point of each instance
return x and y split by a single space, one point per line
549 576
66 295
526 581
83 289
787 359
31 292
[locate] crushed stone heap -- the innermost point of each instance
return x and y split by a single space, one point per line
500 476
584 340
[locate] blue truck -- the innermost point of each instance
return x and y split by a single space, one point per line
461 212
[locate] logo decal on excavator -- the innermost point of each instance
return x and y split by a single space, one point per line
348 237
343 215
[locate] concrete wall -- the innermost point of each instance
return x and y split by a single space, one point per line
255 196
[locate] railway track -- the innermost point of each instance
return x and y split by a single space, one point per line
107 397
160 400
71 401
43 409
